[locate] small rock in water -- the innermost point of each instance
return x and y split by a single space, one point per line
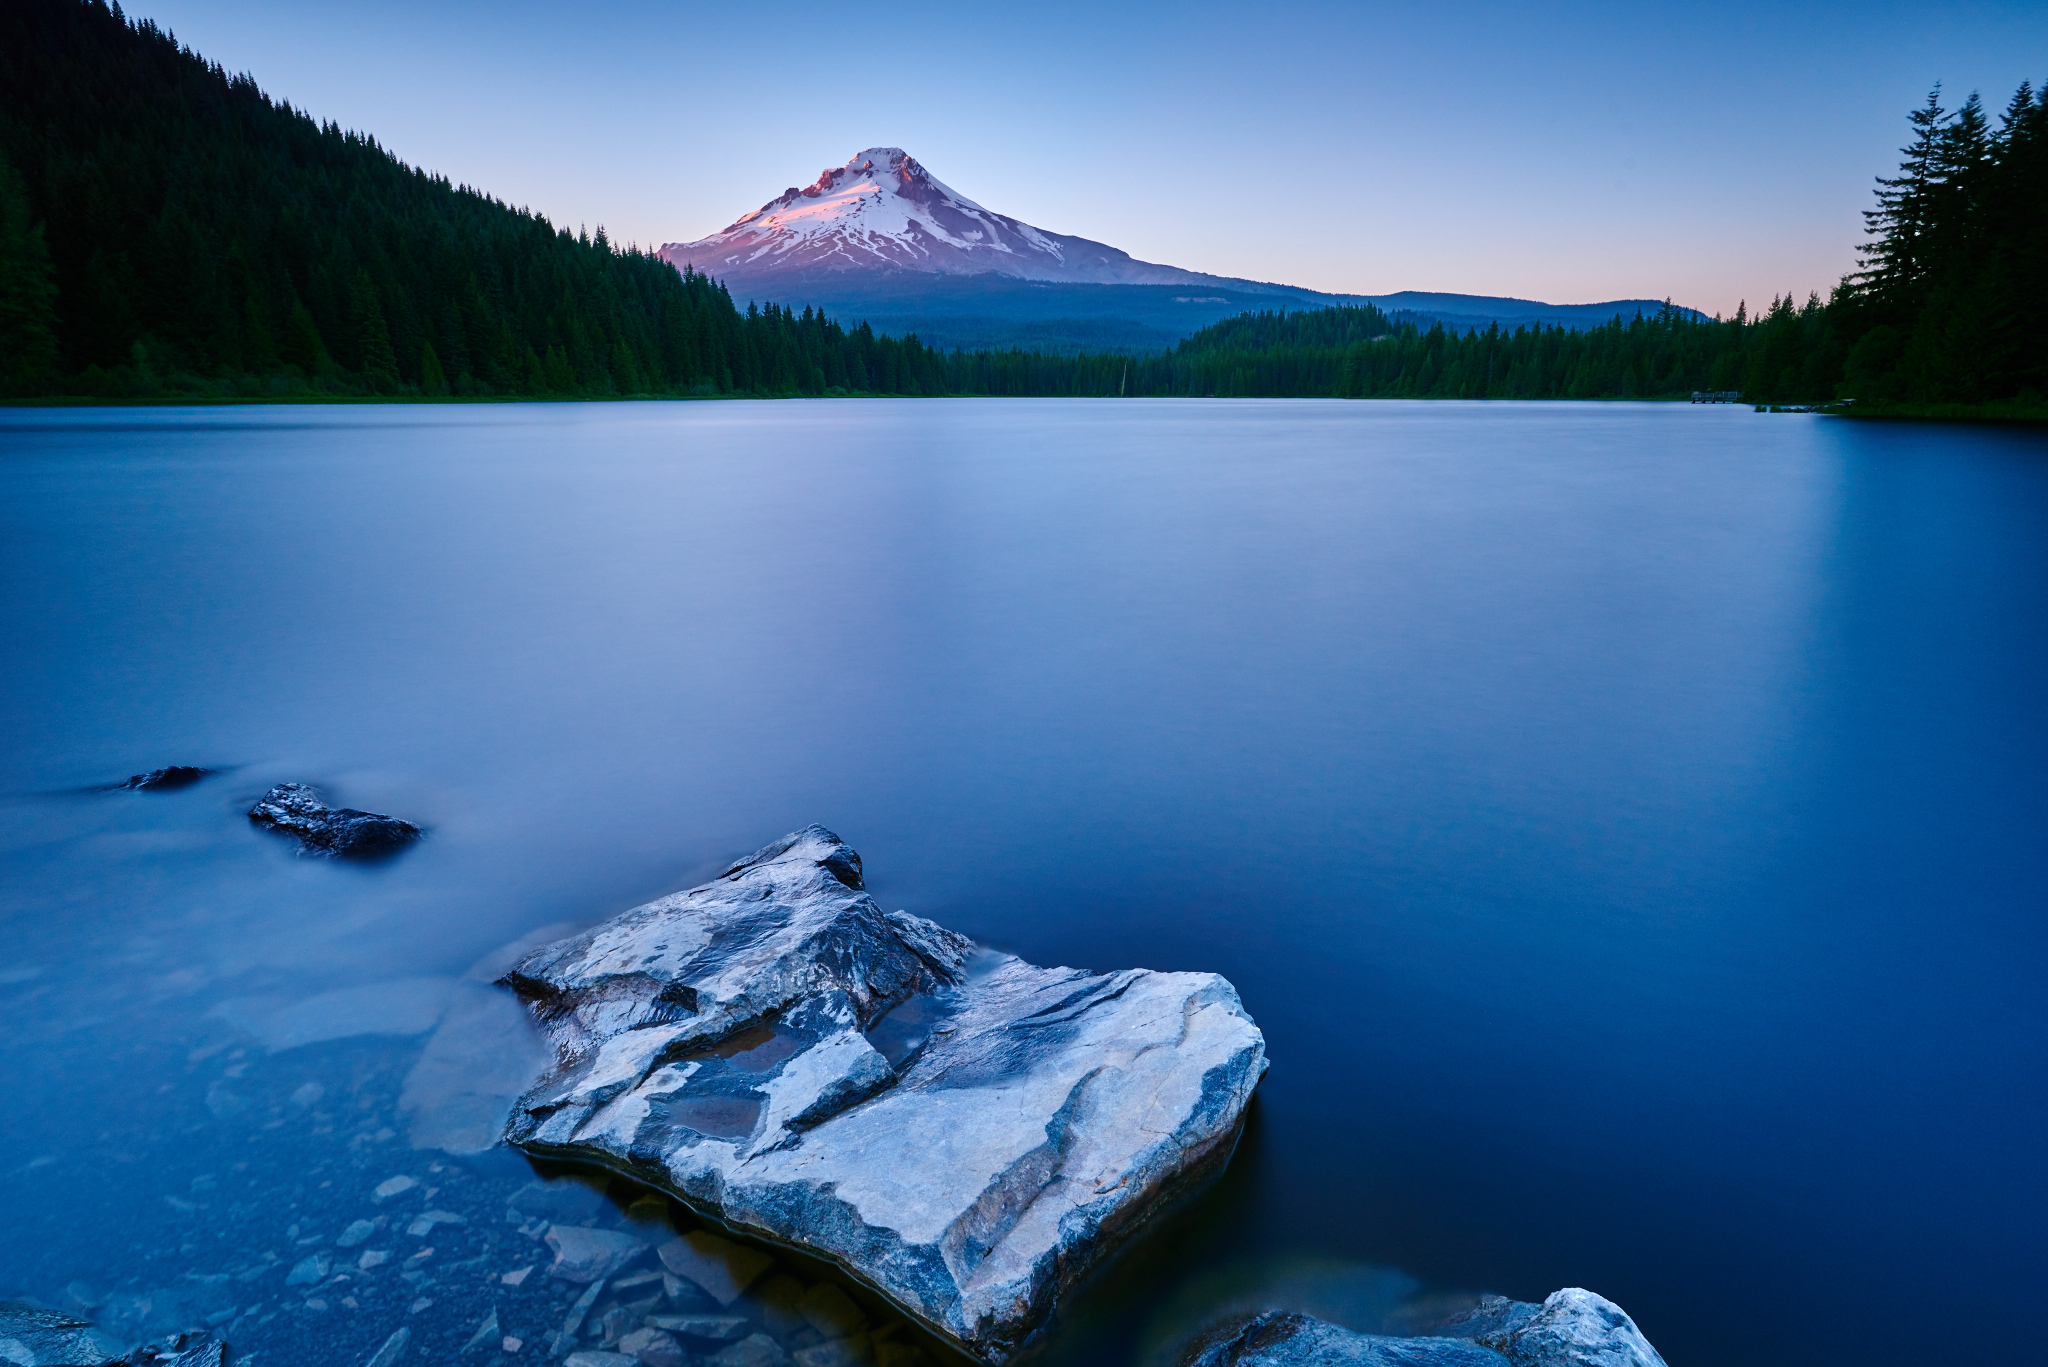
687 1297
653 1348
308 1094
393 1186
774 1302
648 1210
615 1323
295 809
590 1255
485 1332
165 780
512 1344
224 1103
373 1257
598 1357
756 1350
515 1278
833 1353
357 1231
831 1311
721 1267
581 1308
309 1271
569 1200
1572 1328
183 1350
426 1221
393 1349
717 1328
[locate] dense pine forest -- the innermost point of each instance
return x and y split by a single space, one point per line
168 230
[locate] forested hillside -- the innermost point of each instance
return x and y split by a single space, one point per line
1945 315
166 228
1781 356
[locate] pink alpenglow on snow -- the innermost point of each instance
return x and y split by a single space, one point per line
882 209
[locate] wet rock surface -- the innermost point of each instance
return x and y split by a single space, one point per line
965 1132
164 780
33 1335
1571 1328
295 809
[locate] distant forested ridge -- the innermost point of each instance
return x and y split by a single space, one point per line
167 229
1780 356
1948 311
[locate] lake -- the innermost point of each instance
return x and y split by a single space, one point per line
1625 822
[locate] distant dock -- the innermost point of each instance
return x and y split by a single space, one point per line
1717 396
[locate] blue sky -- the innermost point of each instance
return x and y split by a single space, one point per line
1570 153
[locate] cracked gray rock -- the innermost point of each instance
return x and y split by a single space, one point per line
966 1133
1572 1328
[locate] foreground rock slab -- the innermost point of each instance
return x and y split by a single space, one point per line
295 809
964 1132
1572 1328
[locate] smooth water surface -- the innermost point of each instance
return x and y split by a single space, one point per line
1625 821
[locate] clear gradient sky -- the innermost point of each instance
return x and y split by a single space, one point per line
1572 153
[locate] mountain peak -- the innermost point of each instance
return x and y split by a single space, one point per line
883 211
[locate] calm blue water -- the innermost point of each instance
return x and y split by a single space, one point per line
1625 821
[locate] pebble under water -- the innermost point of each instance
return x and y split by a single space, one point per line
1619 818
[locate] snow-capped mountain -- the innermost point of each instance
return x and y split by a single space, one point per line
882 240
883 210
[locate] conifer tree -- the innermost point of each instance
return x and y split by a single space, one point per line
28 293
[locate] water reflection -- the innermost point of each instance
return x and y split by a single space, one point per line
1618 818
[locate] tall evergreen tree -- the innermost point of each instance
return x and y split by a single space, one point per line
28 293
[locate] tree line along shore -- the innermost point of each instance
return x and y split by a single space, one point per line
169 232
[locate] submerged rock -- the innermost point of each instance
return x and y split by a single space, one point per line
965 1132
1572 1328
590 1255
33 1336
330 832
164 780
183 1350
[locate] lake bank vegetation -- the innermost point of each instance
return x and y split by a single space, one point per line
167 231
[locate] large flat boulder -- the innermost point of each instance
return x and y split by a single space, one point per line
964 1132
